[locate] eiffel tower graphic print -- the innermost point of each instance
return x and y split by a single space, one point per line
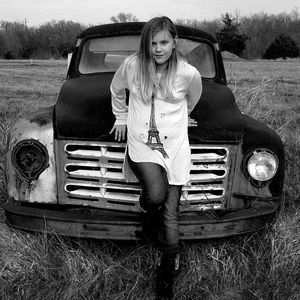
153 134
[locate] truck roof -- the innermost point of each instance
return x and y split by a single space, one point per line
132 28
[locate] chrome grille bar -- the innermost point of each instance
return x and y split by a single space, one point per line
94 177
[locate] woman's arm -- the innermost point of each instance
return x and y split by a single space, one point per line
194 91
118 101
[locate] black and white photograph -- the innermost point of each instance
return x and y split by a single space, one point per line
149 150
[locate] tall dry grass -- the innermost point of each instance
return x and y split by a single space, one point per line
263 265
270 92
52 267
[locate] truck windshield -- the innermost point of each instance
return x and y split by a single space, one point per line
106 54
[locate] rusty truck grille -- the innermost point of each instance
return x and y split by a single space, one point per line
92 176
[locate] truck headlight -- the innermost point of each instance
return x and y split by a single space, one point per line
262 165
30 158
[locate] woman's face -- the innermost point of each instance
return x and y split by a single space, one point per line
162 48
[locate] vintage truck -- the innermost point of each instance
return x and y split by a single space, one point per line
64 169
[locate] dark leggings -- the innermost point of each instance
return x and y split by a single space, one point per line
160 197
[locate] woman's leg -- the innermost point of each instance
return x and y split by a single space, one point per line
168 235
161 201
168 242
154 182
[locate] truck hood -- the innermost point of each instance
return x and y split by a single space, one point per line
83 111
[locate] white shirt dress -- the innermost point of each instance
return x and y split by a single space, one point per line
157 132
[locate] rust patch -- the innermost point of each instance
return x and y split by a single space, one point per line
42 116
22 186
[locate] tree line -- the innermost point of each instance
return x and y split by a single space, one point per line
54 39
258 31
252 35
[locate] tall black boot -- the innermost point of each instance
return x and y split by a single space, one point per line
165 276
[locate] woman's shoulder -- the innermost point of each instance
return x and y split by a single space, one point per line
186 69
131 60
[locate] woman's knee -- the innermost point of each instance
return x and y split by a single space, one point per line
153 196
157 193
154 182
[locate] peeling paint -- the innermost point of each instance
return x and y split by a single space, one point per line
43 189
42 116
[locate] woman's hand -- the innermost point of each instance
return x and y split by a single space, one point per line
192 122
120 132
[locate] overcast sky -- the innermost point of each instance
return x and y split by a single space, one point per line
92 12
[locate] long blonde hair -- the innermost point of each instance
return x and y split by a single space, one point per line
146 67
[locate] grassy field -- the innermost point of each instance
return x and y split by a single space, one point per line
263 266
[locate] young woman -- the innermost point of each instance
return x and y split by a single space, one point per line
164 89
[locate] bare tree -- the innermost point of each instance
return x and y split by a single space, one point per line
123 17
210 26
15 40
58 37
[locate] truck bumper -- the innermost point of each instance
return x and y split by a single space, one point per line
103 224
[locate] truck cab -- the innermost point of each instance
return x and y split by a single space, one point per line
64 169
